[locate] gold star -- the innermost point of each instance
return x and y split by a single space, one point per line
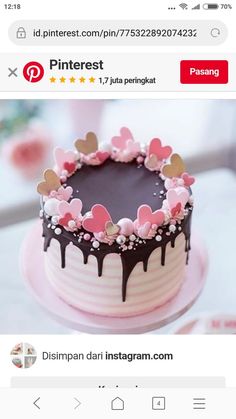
72 80
92 79
82 79
52 79
62 79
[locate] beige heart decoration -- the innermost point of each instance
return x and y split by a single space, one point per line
89 145
51 183
175 168
111 228
152 162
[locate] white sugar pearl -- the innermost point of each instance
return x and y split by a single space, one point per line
121 239
132 237
50 206
64 173
55 220
158 238
57 231
41 213
96 244
172 228
71 224
180 182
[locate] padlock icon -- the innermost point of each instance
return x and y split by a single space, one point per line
21 33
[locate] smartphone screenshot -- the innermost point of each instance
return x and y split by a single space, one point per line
118 209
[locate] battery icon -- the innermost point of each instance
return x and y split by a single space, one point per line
210 6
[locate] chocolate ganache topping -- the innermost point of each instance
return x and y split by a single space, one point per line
121 188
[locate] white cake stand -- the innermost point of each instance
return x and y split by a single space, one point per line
32 268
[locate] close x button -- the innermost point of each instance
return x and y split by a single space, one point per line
204 72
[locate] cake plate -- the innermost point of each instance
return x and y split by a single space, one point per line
32 268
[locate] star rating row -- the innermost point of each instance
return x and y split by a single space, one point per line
63 80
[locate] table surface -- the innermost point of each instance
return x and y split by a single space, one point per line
214 220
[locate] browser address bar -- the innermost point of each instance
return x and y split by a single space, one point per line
112 33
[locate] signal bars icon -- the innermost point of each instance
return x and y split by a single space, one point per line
197 7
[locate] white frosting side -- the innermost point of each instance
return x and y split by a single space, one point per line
79 285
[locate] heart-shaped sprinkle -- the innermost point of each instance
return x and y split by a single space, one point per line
51 183
61 156
175 196
89 145
70 167
63 221
144 230
102 156
160 152
176 210
63 194
121 140
188 180
152 162
175 168
145 214
96 220
111 229
74 207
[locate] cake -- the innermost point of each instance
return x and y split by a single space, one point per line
116 224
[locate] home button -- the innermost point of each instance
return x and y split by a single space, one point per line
117 404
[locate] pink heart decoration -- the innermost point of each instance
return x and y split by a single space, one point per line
102 155
175 196
73 207
95 222
61 157
188 180
152 162
64 193
160 152
176 210
120 141
144 229
63 221
145 215
70 167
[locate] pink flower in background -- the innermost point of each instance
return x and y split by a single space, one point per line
28 151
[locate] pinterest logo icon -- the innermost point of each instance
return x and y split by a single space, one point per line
33 72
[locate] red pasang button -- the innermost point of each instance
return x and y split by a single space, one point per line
204 72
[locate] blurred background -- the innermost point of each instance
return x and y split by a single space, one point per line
202 131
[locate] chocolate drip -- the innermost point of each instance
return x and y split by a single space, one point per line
163 254
100 265
63 255
172 242
129 258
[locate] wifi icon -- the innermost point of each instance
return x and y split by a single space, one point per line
183 6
